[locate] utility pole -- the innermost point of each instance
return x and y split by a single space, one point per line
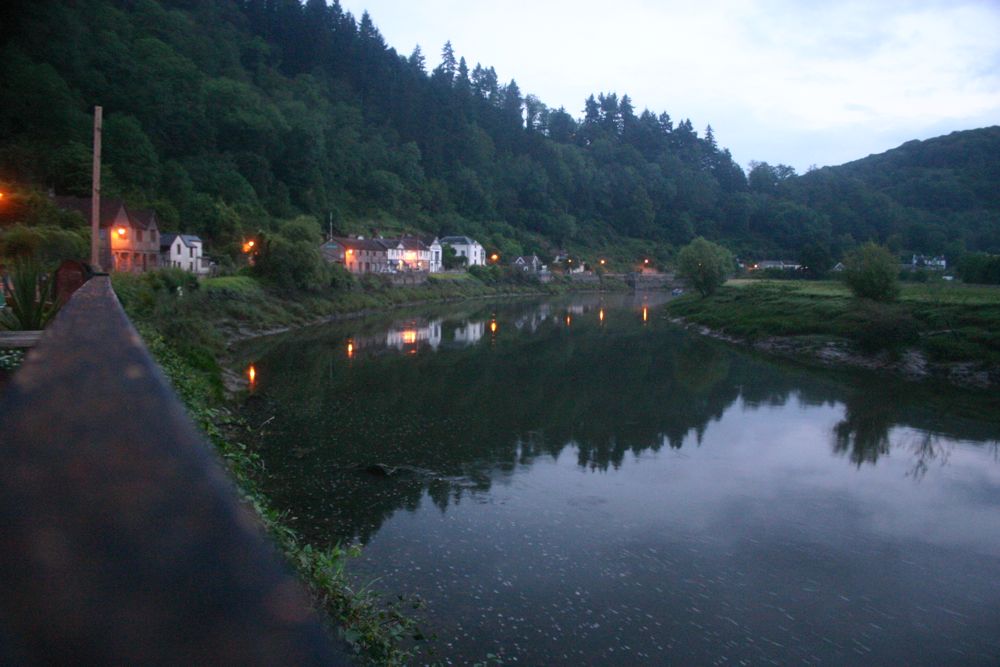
95 195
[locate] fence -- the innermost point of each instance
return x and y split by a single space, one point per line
122 539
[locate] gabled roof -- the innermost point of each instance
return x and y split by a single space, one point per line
411 243
143 218
458 240
167 239
371 245
110 207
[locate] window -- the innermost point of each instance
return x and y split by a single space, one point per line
138 235
190 252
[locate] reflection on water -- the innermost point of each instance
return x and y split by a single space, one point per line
589 484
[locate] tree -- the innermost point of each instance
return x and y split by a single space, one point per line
704 264
872 272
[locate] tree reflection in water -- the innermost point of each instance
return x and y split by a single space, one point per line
465 412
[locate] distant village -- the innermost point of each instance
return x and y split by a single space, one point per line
131 241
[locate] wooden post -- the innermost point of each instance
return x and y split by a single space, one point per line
95 202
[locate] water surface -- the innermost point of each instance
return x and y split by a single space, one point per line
580 482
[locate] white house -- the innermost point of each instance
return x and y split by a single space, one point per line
436 254
934 263
474 253
407 254
183 251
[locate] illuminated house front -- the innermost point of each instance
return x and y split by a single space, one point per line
129 241
357 255
407 254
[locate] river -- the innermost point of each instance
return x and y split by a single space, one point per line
579 481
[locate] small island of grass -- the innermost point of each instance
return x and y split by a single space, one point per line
933 329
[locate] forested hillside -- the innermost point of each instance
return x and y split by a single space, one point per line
232 116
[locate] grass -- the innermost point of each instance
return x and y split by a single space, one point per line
949 322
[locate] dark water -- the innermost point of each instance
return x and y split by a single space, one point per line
589 485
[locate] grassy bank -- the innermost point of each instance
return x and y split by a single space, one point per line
188 325
947 323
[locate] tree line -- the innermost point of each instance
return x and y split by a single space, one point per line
231 117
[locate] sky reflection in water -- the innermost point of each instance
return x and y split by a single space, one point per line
587 484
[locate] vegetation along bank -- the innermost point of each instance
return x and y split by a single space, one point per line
933 330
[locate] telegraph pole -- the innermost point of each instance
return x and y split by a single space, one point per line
95 195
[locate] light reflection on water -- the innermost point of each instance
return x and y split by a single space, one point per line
618 492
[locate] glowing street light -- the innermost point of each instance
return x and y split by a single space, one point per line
252 375
121 231
493 326
603 262
248 246
494 258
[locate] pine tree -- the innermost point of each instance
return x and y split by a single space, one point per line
417 60
448 66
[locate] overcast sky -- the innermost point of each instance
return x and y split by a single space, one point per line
799 82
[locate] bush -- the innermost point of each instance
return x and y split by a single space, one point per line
872 272
704 265
291 264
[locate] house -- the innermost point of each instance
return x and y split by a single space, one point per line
127 241
183 251
357 255
779 264
528 264
437 254
407 254
933 263
474 253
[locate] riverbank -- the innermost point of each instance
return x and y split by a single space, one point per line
945 332
189 326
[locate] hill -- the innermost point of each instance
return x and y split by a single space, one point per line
233 117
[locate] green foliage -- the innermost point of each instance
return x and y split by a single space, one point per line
704 265
980 268
47 244
949 322
233 117
875 326
31 302
10 359
294 263
872 272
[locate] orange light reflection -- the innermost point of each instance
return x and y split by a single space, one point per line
493 326
350 349
600 314
645 314
252 375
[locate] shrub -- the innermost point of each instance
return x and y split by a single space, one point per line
704 265
872 272
30 305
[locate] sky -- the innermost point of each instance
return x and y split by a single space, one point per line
797 82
